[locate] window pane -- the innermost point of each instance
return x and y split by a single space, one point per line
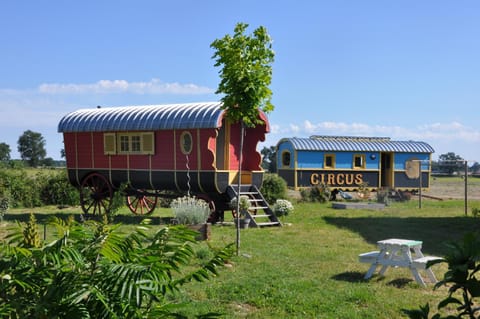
136 143
124 143
328 161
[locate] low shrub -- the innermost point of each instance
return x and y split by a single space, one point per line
320 193
190 210
274 187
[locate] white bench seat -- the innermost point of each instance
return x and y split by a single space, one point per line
369 257
421 263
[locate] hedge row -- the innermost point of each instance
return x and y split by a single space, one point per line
27 188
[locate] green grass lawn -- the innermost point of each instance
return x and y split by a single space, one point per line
309 268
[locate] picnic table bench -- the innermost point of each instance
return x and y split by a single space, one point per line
399 253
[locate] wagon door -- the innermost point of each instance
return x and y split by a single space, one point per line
386 170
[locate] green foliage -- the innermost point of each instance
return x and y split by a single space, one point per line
190 210
94 271
31 238
463 259
31 146
4 205
273 187
49 187
383 196
4 152
269 159
22 188
57 190
475 211
246 73
319 193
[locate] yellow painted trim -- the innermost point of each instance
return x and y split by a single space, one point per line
150 175
182 144
364 163
226 145
334 161
175 158
76 159
199 161
93 149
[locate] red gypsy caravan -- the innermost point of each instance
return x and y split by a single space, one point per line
186 148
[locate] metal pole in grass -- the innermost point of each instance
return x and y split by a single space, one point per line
242 132
420 185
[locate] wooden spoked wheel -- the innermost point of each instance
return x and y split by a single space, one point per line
141 204
211 205
96 195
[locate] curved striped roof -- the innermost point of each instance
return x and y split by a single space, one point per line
357 144
140 118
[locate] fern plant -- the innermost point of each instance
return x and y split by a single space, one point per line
93 270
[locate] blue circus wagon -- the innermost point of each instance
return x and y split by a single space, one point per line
182 148
347 163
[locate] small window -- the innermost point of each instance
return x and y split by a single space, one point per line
186 143
329 161
286 158
129 143
136 144
359 161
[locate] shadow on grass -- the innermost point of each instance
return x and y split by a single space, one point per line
350 276
433 231
356 276
122 219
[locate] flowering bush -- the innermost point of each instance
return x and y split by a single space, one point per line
190 210
282 207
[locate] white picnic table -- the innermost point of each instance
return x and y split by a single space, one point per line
396 252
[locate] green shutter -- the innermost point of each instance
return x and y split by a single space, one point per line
109 145
148 143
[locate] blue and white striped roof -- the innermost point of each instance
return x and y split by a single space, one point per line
357 144
143 118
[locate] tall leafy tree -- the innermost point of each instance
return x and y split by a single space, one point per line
31 146
245 74
450 163
4 152
245 62
269 161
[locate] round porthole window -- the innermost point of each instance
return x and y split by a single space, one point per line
186 142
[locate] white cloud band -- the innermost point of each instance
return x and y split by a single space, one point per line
155 86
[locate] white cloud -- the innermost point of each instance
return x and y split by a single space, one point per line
155 86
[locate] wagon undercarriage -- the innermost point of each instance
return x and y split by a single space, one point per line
97 196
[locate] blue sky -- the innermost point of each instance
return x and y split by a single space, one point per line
409 70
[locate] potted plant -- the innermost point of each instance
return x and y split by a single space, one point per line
244 221
193 213
282 207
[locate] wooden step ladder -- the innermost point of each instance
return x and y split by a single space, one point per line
259 212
